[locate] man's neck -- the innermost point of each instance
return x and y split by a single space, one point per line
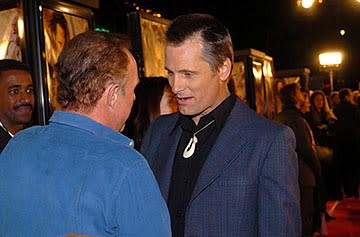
197 118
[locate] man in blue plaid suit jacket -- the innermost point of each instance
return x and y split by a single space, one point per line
223 169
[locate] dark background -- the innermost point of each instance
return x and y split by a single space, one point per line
291 35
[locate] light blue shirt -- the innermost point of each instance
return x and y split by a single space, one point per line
77 176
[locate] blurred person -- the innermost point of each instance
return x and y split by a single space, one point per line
356 95
321 120
305 107
334 99
223 169
347 142
79 175
16 99
279 84
292 99
327 169
153 98
357 100
168 102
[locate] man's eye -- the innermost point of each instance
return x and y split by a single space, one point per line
30 90
188 74
170 75
13 91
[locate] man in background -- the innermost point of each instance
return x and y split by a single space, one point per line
16 99
79 175
347 143
292 99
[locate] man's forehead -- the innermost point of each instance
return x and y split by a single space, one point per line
12 71
16 78
15 73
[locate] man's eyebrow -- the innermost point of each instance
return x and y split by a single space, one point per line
14 86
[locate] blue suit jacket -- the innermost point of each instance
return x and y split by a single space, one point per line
248 185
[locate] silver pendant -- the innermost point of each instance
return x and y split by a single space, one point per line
190 148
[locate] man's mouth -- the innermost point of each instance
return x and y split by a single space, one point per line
23 109
183 100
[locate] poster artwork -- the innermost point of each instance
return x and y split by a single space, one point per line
11 34
59 28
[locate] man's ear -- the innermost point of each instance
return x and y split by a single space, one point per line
111 93
225 70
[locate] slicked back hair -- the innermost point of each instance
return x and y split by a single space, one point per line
216 39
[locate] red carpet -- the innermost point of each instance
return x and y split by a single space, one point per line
347 213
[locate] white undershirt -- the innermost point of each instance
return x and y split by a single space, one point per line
6 130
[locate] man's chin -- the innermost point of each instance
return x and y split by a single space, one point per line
23 119
184 112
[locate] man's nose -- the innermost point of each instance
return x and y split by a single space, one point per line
26 97
177 84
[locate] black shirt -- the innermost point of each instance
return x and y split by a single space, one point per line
185 171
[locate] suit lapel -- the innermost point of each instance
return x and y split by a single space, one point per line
167 154
225 151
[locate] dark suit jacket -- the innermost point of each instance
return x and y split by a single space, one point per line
309 169
347 135
4 138
248 185
309 165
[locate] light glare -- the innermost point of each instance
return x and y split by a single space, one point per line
307 3
330 59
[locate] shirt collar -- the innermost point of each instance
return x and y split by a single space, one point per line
219 114
89 125
2 125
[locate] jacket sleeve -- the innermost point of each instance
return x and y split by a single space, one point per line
305 146
279 193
